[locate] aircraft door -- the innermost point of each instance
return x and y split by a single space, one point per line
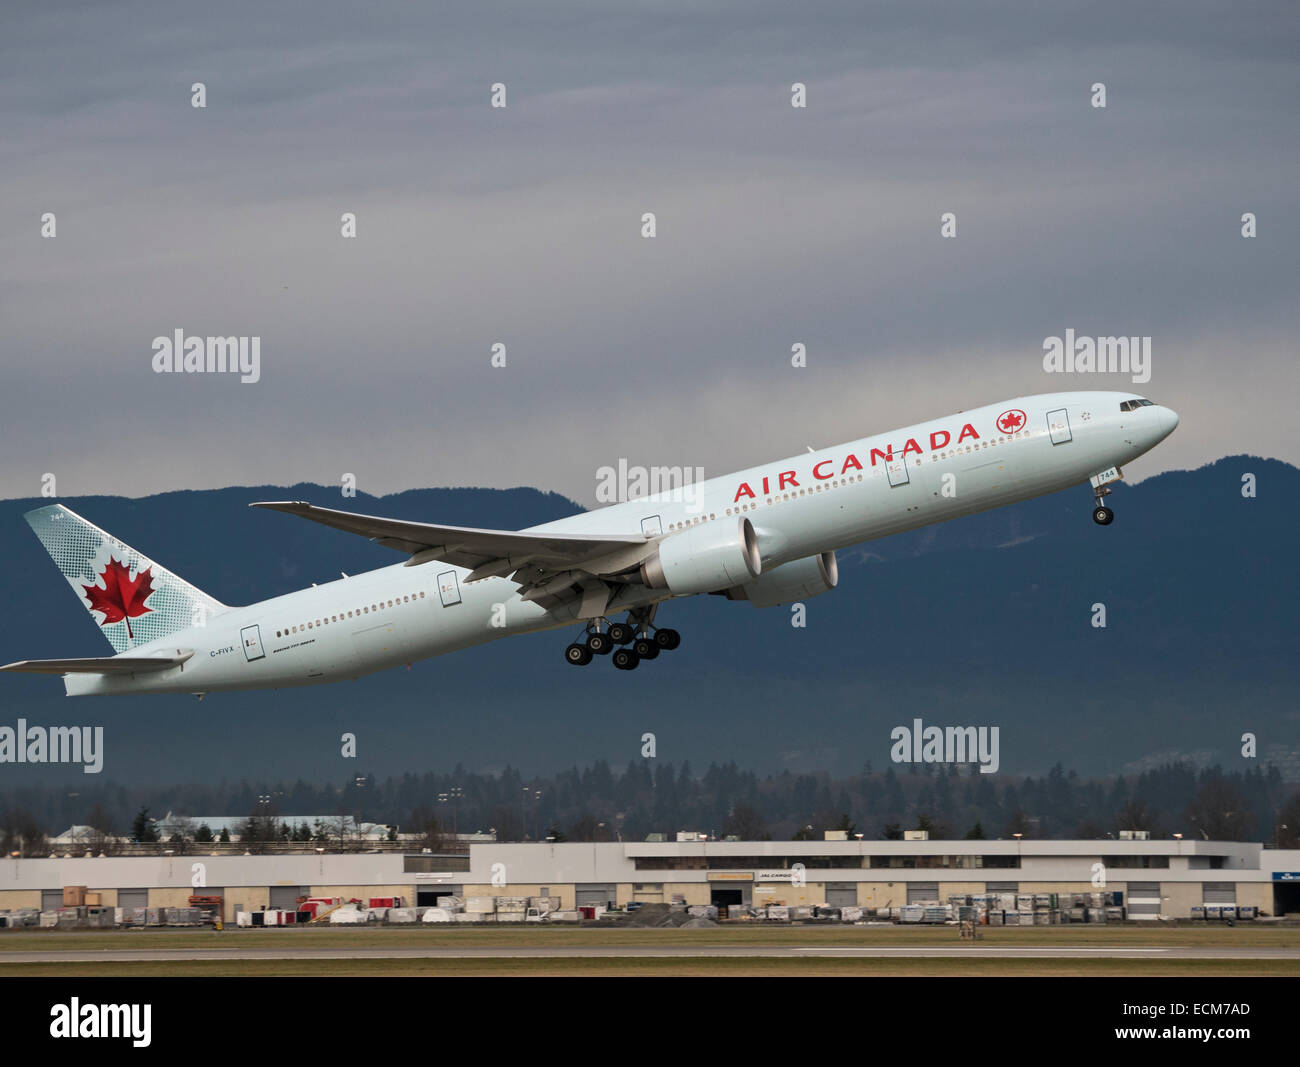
652 526
449 588
1058 425
896 469
251 638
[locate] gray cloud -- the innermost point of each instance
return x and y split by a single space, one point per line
775 226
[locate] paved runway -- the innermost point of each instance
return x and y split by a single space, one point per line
288 952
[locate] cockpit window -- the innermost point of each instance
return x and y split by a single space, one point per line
1133 405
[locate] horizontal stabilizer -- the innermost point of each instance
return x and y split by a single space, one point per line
100 664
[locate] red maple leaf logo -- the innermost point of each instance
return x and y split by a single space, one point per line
122 597
1011 421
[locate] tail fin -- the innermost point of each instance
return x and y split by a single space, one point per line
133 600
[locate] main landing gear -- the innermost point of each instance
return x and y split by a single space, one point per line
1101 514
626 643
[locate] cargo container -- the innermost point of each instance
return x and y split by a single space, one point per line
851 914
480 905
385 902
778 913
400 915
436 915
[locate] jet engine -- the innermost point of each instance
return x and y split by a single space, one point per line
705 558
796 580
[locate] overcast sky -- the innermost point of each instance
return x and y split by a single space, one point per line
522 226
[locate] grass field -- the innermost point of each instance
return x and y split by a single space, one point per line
620 967
778 938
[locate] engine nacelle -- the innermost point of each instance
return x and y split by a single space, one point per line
796 580
705 558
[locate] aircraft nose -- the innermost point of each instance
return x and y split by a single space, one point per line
1170 417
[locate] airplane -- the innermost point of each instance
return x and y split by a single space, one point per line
767 535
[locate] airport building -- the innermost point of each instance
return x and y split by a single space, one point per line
1165 878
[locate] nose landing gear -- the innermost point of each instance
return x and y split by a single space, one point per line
1101 514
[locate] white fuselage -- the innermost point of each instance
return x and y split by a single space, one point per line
811 503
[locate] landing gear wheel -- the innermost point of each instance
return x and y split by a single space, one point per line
645 648
1102 515
667 639
598 643
621 633
578 655
625 659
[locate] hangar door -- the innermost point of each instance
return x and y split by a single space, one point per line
133 898
51 899
841 894
592 893
1143 900
1219 893
920 892
428 896
285 897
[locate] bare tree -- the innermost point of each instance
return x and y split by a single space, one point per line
103 834
1220 812
22 833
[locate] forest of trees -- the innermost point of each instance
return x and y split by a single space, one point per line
596 804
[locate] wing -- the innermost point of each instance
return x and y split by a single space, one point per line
545 564
100 664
